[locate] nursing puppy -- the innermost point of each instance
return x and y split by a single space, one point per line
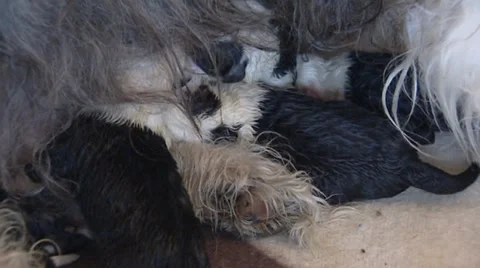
130 194
360 78
437 41
356 76
350 152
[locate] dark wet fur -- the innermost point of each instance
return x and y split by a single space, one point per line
366 81
130 194
351 153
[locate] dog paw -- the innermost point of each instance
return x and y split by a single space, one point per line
244 192
282 79
251 208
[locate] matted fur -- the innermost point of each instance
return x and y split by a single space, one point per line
226 172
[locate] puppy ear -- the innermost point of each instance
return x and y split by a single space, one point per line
225 60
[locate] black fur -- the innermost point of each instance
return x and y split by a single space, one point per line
130 194
204 102
48 217
225 61
366 80
351 153
287 48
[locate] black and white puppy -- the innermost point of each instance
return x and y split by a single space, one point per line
356 76
360 78
130 194
351 153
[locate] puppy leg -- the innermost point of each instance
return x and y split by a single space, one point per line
240 183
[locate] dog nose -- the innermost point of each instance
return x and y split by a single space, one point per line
226 61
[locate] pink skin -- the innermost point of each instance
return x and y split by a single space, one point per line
248 208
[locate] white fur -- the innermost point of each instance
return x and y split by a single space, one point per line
240 107
154 73
260 68
327 78
168 120
167 117
443 42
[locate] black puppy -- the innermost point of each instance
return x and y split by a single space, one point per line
351 153
366 79
130 194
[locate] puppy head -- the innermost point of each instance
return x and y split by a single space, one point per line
226 110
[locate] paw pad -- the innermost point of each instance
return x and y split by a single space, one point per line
249 208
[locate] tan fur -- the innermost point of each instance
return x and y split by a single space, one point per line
217 175
14 241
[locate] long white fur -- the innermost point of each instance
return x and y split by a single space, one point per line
443 39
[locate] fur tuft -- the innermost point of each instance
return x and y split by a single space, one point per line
243 169
442 41
14 241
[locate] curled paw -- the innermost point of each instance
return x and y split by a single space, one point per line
249 208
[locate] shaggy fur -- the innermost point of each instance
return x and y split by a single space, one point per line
238 188
441 40
55 55
14 242
351 153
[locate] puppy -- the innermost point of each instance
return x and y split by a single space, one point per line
130 193
360 77
351 153
356 76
